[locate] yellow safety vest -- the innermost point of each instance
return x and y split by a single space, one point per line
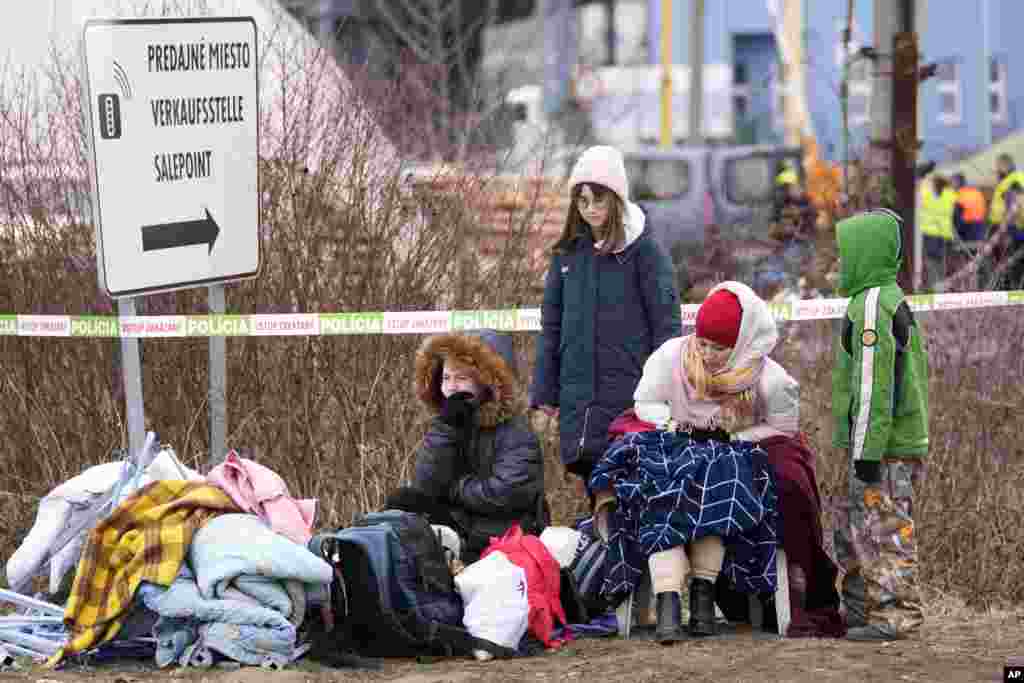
936 213
945 206
998 209
787 177
924 199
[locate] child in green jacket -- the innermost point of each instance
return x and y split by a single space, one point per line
880 408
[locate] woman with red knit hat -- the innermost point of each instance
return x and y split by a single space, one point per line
696 496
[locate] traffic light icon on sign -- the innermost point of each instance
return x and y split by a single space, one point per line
110 116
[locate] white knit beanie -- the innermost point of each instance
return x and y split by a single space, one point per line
602 165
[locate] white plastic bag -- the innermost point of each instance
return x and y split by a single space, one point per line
449 541
562 543
494 594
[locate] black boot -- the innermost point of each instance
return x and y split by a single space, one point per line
702 608
670 618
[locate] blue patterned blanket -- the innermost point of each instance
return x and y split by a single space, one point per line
672 489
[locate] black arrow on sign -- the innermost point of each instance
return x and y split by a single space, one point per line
180 234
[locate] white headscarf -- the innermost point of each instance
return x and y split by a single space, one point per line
758 332
664 390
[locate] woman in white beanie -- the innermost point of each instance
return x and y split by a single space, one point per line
610 300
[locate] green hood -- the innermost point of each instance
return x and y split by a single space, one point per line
870 251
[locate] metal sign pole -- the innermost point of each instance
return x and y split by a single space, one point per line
131 369
218 383
162 204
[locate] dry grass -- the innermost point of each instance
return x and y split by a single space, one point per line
970 507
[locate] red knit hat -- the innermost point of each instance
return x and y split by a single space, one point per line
719 317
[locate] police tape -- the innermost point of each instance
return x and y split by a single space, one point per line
411 322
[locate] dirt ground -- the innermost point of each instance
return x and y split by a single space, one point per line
955 645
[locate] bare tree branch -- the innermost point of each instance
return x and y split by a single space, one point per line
418 37
416 15
458 47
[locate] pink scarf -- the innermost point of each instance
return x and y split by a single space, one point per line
723 387
259 490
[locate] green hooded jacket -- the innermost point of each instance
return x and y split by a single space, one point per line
880 376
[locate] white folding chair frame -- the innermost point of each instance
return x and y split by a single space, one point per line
782 612
783 615
782 608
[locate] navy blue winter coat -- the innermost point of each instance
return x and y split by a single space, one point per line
493 477
602 316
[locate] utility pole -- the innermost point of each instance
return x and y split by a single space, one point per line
697 72
610 33
325 27
788 18
665 140
844 95
986 110
558 27
894 110
920 28
790 65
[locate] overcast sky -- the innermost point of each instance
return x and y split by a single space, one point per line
27 29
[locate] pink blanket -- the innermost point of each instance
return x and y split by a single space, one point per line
261 491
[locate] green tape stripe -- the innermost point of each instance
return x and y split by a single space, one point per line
351 323
218 326
504 320
412 322
95 326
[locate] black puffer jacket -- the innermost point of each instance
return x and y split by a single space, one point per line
496 475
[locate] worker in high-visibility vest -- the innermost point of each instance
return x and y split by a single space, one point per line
937 200
969 211
925 199
969 215
793 216
786 178
1008 174
1014 220
1009 178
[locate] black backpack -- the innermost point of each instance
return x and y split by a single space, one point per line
393 595
588 571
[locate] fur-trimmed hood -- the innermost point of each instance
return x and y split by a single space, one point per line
490 353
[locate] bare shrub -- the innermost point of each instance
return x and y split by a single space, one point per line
344 230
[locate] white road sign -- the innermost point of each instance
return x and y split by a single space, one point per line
173 109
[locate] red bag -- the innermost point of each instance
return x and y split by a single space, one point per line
543 580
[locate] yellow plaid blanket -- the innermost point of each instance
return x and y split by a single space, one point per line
144 539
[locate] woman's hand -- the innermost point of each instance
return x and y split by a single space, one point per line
581 487
604 504
550 411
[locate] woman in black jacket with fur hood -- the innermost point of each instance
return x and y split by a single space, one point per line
479 468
